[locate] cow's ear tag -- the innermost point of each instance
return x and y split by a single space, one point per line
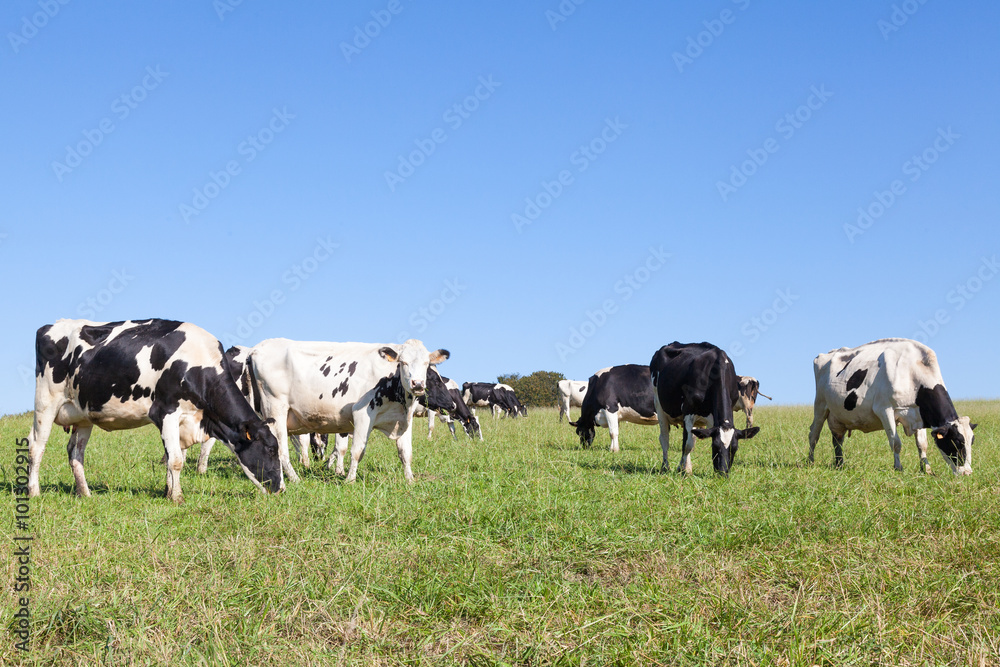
247 434
939 436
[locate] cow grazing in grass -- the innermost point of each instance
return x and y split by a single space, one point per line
887 382
749 390
507 403
443 399
571 393
346 388
695 386
614 394
122 375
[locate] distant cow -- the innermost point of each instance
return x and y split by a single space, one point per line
571 393
347 388
122 375
507 402
695 386
749 390
884 383
617 393
492 396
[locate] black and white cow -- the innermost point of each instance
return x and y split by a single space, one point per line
481 395
614 394
443 399
695 386
571 393
883 383
346 388
749 390
121 375
507 403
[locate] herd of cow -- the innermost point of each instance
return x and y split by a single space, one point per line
177 376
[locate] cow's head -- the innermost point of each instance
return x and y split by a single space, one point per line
954 441
412 361
586 431
725 443
257 449
436 396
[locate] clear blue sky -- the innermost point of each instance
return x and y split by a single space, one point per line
739 138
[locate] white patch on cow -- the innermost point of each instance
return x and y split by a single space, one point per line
726 436
627 414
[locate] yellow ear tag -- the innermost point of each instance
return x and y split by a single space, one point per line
939 436
248 435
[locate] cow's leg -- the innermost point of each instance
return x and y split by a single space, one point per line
664 443
206 449
888 417
280 430
612 419
74 448
301 443
170 431
479 428
820 413
838 445
338 453
404 447
430 423
685 463
363 424
41 427
921 437
451 427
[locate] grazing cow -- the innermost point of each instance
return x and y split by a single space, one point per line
617 393
507 402
884 383
571 393
121 375
318 387
695 386
442 399
481 395
749 390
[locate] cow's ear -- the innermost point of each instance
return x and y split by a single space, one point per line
269 420
437 356
973 426
746 434
388 354
941 431
703 432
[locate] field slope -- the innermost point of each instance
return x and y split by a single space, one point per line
525 549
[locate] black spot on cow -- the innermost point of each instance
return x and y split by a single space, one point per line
388 389
340 389
855 380
321 397
851 401
847 358
325 369
350 369
329 359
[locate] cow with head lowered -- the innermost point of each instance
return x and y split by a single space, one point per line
617 393
695 387
443 399
883 383
344 388
121 375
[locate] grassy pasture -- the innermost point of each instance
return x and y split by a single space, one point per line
525 549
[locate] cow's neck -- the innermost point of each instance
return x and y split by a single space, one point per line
935 406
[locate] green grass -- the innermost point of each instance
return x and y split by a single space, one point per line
525 549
